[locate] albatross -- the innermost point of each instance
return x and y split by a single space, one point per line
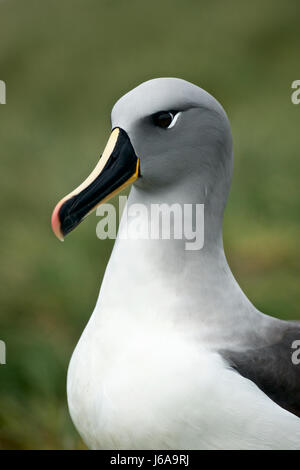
175 356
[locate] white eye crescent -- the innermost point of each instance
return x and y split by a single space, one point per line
174 120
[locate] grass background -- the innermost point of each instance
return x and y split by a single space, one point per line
65 63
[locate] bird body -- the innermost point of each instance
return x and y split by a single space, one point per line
174 355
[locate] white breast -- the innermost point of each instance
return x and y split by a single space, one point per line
148 386
144 375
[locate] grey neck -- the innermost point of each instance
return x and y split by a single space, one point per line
161 278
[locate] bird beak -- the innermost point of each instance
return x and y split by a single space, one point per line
117 168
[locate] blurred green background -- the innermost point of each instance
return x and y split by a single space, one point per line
65 63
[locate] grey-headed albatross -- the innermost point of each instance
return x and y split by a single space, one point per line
174 355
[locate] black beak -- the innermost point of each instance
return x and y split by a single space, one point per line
117 168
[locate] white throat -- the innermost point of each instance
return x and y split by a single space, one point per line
150 279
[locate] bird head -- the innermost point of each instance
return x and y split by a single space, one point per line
166 133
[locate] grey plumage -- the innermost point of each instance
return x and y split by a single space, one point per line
270 365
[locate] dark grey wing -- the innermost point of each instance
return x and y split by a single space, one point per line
272 369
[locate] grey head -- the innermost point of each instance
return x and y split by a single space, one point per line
194 151
180 136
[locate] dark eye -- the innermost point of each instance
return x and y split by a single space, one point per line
164 118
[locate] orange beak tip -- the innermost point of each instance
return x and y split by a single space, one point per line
55 223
